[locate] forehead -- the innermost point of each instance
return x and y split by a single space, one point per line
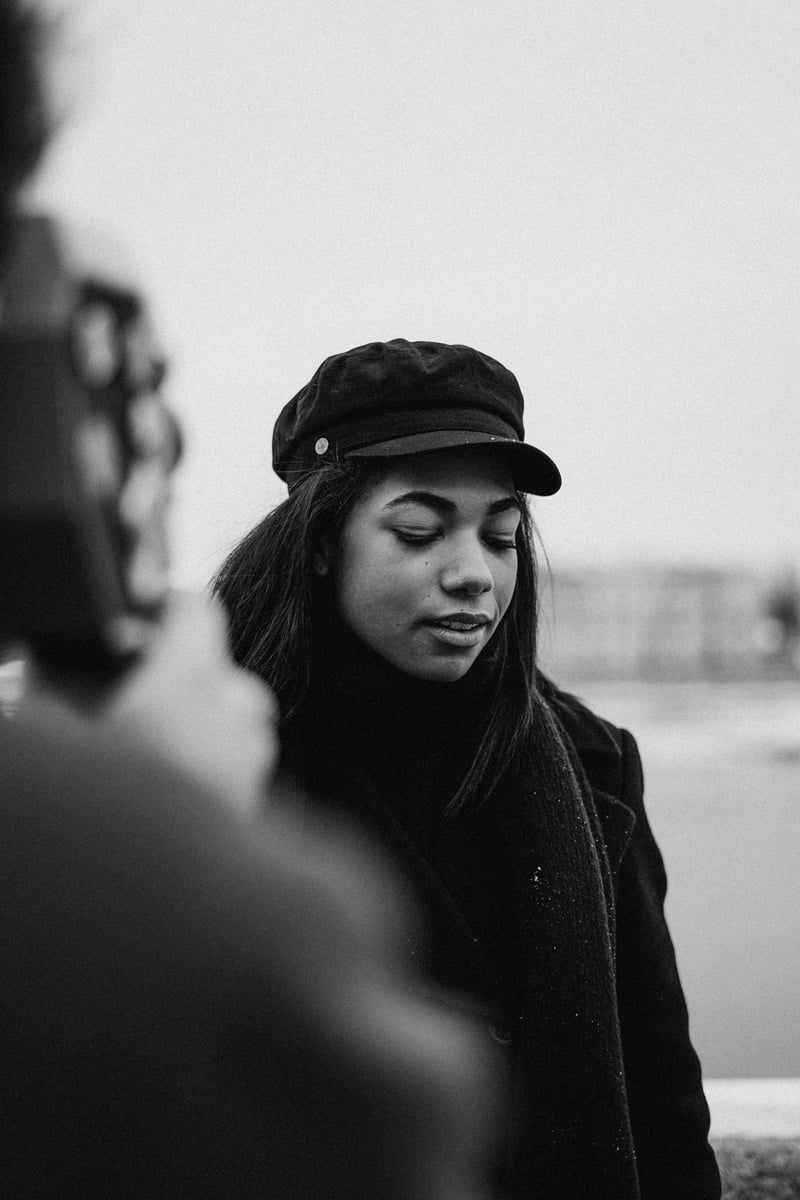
474 473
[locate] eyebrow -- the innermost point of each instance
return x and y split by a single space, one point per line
441 505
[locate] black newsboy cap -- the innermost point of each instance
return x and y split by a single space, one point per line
392 398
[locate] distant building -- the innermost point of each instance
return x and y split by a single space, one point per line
652 622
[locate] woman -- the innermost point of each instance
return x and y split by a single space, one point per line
390 603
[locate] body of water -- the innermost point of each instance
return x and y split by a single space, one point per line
722 780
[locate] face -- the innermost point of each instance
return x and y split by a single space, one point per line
427 560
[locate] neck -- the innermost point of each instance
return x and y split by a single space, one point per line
371 689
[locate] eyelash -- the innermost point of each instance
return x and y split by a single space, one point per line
425 539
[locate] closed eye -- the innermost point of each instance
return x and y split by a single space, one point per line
416 537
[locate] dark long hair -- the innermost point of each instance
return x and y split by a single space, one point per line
278 605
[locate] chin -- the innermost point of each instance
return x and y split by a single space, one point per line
443 670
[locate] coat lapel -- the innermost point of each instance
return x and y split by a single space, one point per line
599 752
617 823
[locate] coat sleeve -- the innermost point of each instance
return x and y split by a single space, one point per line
669 1113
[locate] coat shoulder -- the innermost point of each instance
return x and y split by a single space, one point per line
600 745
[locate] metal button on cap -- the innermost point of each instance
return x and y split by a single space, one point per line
321 445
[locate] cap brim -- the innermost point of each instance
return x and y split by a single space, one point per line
533 470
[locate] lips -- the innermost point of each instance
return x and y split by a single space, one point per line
460 622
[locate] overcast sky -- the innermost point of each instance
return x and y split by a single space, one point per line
602 195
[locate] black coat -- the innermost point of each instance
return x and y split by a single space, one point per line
471 938
668 1112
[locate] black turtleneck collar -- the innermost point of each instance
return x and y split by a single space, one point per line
381 699
414 739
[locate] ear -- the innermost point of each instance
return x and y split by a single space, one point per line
323 556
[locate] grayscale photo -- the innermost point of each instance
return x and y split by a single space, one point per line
400 600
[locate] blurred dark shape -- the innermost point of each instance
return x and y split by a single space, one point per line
86 453
780 629
24 120
194 1005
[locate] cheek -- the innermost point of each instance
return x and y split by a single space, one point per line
364 587
505 581
381 591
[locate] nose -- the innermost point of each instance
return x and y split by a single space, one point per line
467 570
